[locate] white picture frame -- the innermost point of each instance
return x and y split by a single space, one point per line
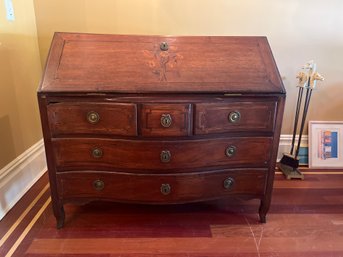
325 144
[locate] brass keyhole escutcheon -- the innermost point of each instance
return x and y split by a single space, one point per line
164 46
166 120
230 151
97 153
98 185
93 117
165 189
234 117
228 183
165 156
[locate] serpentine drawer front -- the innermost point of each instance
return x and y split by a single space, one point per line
177 155
172 120
161 188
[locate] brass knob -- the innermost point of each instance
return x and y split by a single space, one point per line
97 153
164 46
230 151
165 189
93 117
234 116
165 156
229 183
166 120
98 185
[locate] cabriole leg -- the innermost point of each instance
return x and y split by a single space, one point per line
59 215
264 207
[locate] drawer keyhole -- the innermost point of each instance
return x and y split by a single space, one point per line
166 120
165 156
164 46
165 189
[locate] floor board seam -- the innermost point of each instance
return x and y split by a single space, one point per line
23 215
28 228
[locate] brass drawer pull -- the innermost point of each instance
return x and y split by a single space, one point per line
229 183
165 189
165 156
98 185
97 153
166 120
230 151
234 117
93 117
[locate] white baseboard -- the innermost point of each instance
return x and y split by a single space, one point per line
286 141
17 177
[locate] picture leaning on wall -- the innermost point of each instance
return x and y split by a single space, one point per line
325 144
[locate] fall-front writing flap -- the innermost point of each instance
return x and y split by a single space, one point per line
160 64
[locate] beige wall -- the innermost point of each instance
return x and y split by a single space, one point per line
298 31
20 71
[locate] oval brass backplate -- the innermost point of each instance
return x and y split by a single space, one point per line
93 117
98 185
97 152
165 189
229 183
165 156
234 117
230 151
166 120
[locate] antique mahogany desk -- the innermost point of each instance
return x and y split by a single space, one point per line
160 119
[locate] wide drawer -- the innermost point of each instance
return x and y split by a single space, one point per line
166 119
100 154
255 116
93 118
166 188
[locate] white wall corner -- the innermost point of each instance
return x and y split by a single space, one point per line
286 141
17 177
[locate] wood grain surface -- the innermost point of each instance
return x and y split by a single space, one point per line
136 64
100 143
305 219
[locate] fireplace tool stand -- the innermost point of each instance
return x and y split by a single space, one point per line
307 81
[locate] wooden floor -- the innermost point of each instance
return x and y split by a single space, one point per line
306 219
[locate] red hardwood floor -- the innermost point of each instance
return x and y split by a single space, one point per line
306 219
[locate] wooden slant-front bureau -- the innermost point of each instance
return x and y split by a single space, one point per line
160 119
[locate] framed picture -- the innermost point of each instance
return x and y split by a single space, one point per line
326 144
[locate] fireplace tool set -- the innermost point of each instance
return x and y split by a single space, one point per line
307 81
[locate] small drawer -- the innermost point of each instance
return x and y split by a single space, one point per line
161 157
234 117
163 188
93 118
166 119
